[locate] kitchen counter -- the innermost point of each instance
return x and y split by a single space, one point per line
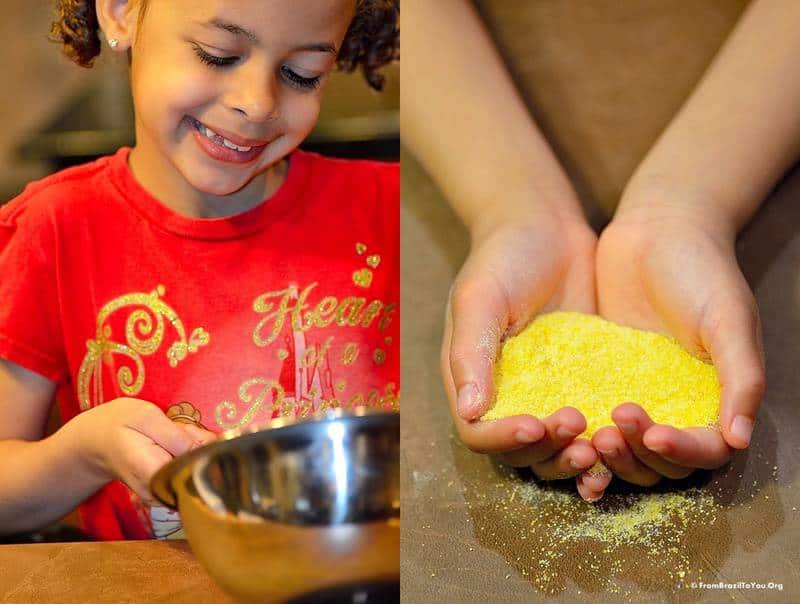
118 572
468 534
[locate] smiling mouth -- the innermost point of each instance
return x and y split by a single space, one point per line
220 140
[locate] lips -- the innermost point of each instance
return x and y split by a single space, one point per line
226 146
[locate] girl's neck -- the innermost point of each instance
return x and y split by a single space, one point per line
161 179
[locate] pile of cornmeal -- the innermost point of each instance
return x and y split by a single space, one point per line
572 359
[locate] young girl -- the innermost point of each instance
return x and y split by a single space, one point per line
212 276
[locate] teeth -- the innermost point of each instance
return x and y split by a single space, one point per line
235 147
209 133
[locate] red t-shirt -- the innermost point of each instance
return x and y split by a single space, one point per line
286 309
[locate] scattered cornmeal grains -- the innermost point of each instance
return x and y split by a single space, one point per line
632 534
568 358
632 542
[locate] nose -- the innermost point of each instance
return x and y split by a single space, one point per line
254 94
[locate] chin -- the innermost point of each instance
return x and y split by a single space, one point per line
211 183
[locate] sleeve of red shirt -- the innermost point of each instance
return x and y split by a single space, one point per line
30 323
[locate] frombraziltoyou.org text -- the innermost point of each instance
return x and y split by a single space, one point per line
737 585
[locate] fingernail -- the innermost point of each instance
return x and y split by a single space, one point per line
575 465
628 429
659 448
565 433
467 401
742 427
525 437
610 453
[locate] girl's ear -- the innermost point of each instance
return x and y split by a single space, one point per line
118 20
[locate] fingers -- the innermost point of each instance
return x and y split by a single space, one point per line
502 435
143 463
154 424
558 454
593 482
734 341
570 461
618 457
199 435
692 447
641 451
560 428
633 422
486 436
474 326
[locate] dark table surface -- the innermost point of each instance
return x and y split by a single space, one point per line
474 532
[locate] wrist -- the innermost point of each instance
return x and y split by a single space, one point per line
527 208
77 441
656 200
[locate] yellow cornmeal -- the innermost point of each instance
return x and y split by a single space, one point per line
567 358
643 532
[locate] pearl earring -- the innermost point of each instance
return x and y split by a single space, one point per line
113 42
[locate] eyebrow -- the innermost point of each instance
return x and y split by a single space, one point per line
238 30
232 28
321 47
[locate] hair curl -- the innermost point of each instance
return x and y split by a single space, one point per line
77 30
372 40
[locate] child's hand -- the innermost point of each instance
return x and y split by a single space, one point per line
130 439
517 269
671 268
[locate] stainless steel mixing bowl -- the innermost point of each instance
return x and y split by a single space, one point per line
280 511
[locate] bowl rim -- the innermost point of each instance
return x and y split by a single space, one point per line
161 482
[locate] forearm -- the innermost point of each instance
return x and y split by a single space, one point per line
739 130
42 481
466 123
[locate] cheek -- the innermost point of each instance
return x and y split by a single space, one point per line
163 96
301 115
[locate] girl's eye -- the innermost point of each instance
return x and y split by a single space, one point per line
299 81
213 60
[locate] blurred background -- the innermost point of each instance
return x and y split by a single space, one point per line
55 114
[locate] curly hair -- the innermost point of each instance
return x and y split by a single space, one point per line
372 40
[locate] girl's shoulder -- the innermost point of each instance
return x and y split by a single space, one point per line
61 190
359 184
324 168
355 195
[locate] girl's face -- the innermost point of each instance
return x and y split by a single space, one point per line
223 89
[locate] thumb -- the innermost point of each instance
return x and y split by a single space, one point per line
734 342
477 319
